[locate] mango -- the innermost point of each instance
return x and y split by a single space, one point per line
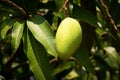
68 38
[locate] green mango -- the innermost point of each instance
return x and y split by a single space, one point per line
68 38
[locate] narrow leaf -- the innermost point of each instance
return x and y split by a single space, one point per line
41 30
37 57
113 57
17 33
6 9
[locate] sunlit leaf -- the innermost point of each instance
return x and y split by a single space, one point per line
42 32
73 74
44 1
107 75
37 56
2 77
17 33
113 57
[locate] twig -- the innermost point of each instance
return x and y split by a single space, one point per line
21 10
53 60
65 8
108 15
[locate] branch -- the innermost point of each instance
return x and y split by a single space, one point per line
65 8
21 10
108 15
53 60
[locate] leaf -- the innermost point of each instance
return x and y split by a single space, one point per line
61 14
37 56
17 33
3 14
5 26
44 1
84 15
59 4
113 57
63 67
5 10
42 32
73 74
82 57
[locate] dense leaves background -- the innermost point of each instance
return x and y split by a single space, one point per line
27 40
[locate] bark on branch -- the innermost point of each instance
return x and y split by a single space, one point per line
108 15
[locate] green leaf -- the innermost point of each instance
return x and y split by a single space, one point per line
17 33
42 32
5 26
73 74
5 10
84 15
59 4
37 56
82 57
65 66
44 1
113 57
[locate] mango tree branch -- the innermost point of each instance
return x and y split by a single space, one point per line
21 10
108 15
65 8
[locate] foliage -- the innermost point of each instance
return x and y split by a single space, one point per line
27 40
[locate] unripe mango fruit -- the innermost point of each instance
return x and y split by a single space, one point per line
68 38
